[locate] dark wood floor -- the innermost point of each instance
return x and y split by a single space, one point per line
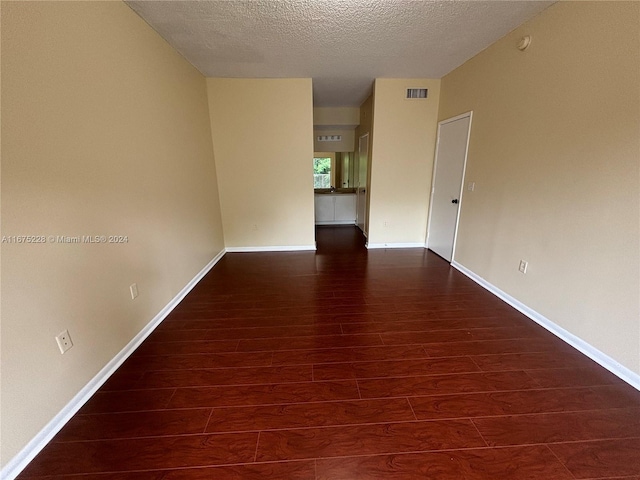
347 364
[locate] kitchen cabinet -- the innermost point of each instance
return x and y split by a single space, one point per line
335 208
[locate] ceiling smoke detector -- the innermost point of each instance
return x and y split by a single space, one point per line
524 43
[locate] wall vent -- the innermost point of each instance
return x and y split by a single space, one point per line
417 92
329 138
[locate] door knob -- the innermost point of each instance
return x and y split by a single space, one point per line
455 200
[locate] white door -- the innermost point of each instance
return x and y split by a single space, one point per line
446 191
363 160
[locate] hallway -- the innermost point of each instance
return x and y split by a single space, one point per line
349 364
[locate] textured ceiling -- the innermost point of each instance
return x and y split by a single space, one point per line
342 44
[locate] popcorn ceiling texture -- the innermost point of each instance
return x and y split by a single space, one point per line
342 44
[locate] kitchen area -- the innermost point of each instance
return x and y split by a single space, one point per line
335 170
334 193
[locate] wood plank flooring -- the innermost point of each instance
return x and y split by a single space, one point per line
349 364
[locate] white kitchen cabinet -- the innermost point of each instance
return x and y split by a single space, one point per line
345 211
325 208
335 209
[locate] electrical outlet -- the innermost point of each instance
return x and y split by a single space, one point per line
134 290
523 266
471 186
64 341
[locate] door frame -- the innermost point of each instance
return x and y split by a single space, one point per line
464 171
361 186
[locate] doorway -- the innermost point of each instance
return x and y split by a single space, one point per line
446 190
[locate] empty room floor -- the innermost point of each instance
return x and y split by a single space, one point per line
349 364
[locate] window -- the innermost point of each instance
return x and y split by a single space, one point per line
322 172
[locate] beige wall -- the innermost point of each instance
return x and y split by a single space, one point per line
336 116
262 134
345 145
402 160
554 152
365 125
105 130
335 121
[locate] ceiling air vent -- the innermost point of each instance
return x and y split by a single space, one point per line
417 92
329 138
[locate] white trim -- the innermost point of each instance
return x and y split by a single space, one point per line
433 187
462 181
372 246
589 350
272 248
366 186
13 468
456 118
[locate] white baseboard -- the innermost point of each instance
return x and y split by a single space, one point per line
589 350
372 246
272 248
338 222
37 443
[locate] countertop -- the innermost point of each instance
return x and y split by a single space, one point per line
338 191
